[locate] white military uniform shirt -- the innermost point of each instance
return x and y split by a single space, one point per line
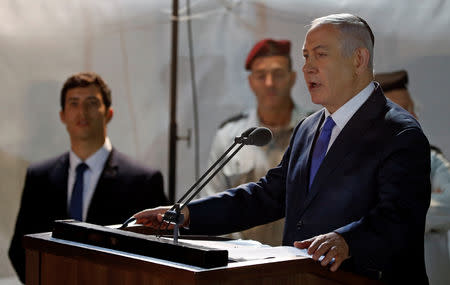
437 227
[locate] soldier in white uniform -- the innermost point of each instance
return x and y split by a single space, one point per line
271 79
437 226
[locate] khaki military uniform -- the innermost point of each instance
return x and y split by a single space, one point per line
250 164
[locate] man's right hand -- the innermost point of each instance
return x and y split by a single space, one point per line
154 217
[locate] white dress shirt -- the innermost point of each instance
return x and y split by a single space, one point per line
342 115
95 163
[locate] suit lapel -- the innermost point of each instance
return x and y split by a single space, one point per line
353 132
104 185
311 136
58 177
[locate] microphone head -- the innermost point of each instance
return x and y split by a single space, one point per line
243 137
247 132
259 137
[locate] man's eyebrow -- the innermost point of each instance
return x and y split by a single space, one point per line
92 97
320 47
77 98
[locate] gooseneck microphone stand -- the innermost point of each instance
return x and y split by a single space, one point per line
252 136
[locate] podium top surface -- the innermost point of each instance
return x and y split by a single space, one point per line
147 245
44 243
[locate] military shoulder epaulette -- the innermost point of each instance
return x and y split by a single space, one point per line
233 119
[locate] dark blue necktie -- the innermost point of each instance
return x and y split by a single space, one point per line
76 202
320 149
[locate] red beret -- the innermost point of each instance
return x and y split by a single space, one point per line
268 47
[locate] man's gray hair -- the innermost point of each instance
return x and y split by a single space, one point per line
355 33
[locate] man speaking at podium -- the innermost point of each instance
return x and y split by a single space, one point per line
354 182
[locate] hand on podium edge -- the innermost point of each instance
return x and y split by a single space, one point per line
332 246
154 217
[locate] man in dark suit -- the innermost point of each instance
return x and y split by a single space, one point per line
354 182
109 190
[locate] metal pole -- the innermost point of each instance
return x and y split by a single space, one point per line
173 104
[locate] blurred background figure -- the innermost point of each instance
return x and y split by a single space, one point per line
271 79
93 182
437 244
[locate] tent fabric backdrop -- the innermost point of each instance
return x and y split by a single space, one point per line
128 43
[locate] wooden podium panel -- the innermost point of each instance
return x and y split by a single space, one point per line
56 261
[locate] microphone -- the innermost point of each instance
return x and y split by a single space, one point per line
258 136
244 135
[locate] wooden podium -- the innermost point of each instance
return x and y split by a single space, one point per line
56 261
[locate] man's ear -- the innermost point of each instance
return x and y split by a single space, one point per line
250 82
62 116
109 114
361 58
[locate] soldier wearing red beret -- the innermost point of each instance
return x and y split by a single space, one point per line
271 79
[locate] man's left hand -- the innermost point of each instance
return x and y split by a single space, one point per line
331 245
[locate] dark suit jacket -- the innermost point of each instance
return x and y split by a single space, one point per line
373 188
124 188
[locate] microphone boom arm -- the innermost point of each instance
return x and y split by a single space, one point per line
252 136
211 176
205 174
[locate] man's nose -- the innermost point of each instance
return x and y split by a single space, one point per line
269 79
84 109
308 66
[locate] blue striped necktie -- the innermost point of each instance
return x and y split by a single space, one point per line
76 201
320 148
